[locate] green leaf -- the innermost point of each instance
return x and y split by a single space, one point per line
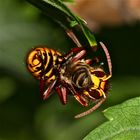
123 124
69 21
67 0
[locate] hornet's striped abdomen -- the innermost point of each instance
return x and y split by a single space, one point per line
80 75
42 62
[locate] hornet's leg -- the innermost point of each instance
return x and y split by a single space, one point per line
62 92
47 92
77 96
98 104
42 86
79 51
79 56
94 61
73 37
80 100
89 61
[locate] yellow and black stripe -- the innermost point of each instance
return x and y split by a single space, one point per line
42 62
80 75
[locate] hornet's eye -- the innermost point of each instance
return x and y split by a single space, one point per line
95 94
99 73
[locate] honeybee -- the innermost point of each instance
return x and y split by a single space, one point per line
70 73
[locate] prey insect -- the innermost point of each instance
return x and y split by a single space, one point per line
70 74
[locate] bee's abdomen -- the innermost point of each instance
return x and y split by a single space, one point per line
43 61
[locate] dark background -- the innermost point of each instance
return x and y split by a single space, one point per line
23 114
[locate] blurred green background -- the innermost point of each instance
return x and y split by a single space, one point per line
23 114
